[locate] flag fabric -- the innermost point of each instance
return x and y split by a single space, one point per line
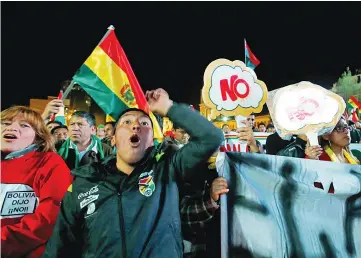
108 78
353 106
250 59
290 200
354 102
108 118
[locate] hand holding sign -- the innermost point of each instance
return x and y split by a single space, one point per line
305 108
231 88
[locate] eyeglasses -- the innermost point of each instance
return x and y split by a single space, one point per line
342 128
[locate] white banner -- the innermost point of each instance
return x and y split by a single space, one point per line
274 209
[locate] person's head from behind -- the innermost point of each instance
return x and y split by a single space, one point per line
51 124
250 120
81 127
133 136
109 129
225 129
180 134
22 127
339 137
262 127
100 131
270 128
60 133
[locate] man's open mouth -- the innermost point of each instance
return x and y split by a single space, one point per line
134 140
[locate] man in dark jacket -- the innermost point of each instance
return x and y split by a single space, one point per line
275 143
82 147
295 149
128 205
355 132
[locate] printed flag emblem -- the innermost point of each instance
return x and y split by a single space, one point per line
146 183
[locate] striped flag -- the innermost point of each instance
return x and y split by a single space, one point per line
353 106
109 79
250 59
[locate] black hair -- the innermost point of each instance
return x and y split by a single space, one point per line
224 125
176 126
54 122
89 117
128 110
270 126
262 124
58 127
110 123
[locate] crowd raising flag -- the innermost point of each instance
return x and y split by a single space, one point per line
109 79
250 59
353 106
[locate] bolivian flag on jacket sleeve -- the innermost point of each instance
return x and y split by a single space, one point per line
109 79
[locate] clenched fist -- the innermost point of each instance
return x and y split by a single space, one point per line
158 101
51 108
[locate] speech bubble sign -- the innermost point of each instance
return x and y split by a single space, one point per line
304 108
230 88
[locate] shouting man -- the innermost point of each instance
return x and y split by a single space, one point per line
128 205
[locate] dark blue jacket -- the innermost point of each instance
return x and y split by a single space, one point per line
107 213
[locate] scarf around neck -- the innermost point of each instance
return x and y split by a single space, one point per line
20 153
334 158
95 144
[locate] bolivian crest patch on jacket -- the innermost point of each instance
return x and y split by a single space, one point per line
146 183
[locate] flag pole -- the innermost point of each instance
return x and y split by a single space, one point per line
245 62
71 85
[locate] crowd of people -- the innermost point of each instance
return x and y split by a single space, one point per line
112 190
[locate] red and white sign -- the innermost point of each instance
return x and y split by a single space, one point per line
305 108
231 88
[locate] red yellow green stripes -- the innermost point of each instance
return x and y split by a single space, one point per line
107 100
111 46
354 102
109 79
108 72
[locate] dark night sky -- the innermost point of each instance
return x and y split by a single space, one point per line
170 44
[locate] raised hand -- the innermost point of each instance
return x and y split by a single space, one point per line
313 152
51 108
246 134
158 101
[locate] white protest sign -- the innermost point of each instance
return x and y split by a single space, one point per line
305 108
17 200
231 89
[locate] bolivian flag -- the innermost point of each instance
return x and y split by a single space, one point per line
352 106
109 79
